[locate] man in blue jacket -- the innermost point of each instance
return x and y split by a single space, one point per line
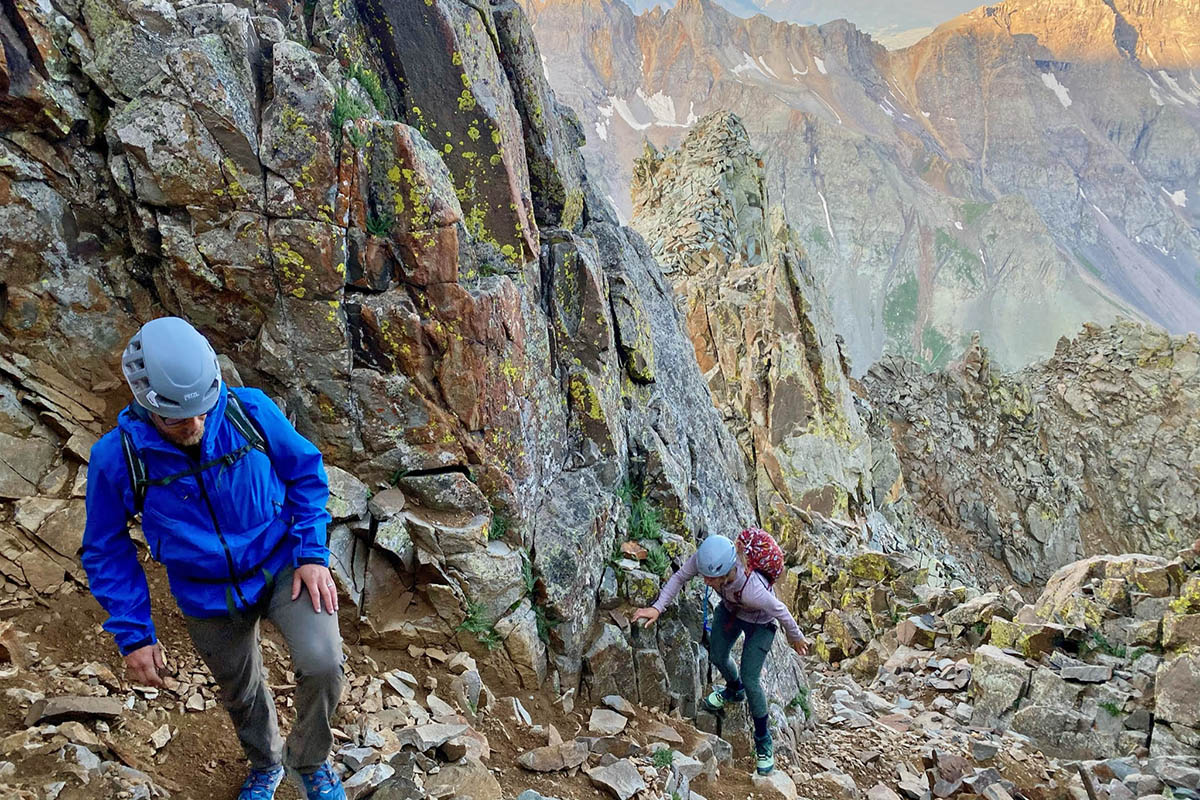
232 502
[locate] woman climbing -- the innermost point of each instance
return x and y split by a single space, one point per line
743 575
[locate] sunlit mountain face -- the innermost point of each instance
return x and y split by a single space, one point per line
1023 169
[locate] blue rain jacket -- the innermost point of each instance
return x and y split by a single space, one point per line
222 534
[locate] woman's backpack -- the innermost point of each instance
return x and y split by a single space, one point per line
762 554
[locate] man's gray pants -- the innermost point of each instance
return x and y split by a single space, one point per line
230 647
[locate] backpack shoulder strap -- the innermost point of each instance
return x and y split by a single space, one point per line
240 419
136 468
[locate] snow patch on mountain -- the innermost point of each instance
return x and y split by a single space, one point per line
1053 85
749 65
828 221
820 65
1174 86
1179 198
626 113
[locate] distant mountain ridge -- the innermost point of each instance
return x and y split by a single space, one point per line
891 24
1025 168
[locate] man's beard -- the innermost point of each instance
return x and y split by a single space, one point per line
184 440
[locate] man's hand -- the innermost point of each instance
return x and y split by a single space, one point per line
143 664
649 614
319 582
801 647
1196 547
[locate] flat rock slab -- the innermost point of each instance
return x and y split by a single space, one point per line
881 791
619 704
555 757
663 733
424 738
622 779
606 723
57 709
367 780
1087 674
777 786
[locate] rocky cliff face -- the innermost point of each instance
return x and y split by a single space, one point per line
757 319
379 213
1022 170
1092 451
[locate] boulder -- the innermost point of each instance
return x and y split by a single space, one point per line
467 778
998 681
1176 689
776 786
555 758
621 779
604 722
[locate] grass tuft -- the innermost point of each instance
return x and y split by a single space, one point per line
371 84
657 560
800 701
477 623
499 527
345 107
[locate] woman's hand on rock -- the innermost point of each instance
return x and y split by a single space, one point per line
650 615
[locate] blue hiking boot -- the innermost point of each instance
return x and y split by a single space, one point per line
323 784
764 751
261 784
719 698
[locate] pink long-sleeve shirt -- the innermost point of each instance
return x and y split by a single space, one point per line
748 597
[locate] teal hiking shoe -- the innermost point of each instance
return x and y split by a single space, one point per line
719 698
261 784
323 784
764 749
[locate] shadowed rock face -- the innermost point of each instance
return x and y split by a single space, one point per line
378 211
1021 170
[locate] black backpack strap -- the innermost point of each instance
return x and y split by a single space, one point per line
136 468
236 413
238 417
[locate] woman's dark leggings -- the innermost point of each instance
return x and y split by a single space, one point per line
726 629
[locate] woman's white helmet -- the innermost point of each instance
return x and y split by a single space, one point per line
171 369
716 556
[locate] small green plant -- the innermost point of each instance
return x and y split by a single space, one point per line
1112 708
1138 652
346 106
800 701
371 84
380 224
499 527
1098 642
657 560
545 623
979 627
476 622
310 7
663 757
527 578
644 520
357 138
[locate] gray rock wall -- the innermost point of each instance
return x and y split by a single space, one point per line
378 211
